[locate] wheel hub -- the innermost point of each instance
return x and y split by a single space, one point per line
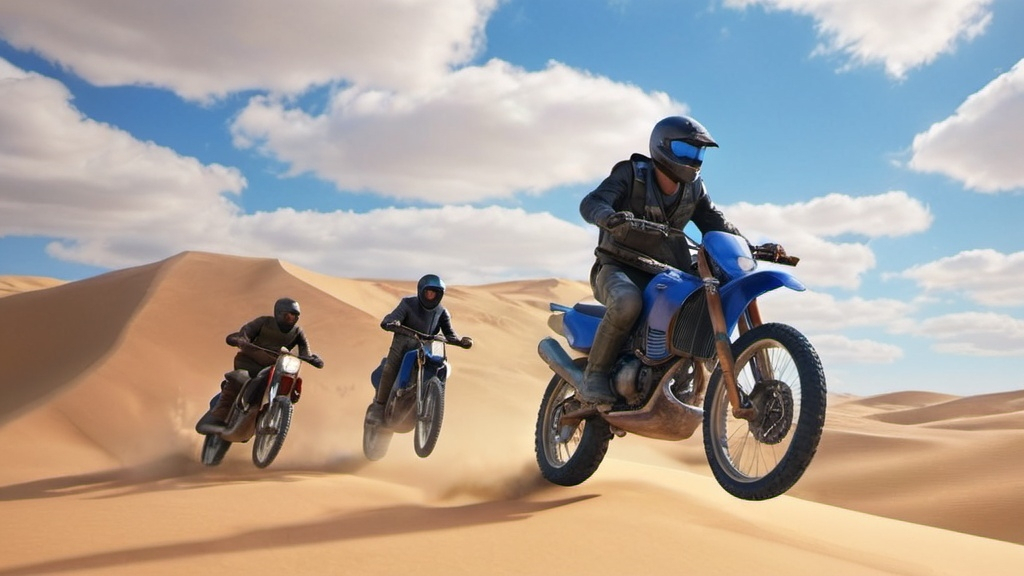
773 402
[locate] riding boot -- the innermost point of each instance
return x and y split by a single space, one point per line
214 421
596 386
389 372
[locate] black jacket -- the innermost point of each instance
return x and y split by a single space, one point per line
265 333
412 315
632 187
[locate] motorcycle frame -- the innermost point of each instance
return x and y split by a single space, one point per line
424 360
243 429
732 305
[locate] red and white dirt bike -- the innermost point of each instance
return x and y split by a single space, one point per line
263 409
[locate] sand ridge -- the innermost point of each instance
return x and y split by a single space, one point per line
101 475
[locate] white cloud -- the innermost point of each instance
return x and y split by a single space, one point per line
812 311
901 35
803 228
67 176
466 245
250 44
975 334
836 349
481 132
980 144
986 276
113 201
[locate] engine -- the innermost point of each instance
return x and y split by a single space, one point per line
636 381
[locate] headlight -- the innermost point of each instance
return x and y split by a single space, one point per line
746 264
290 364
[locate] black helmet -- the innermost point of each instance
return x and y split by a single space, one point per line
284 306
677 147
430 282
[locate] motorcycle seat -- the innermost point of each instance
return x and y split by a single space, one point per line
239 377
595 310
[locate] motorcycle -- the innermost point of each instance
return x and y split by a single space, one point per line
263 409
416 400
761 398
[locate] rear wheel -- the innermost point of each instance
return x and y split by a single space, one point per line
780 374
376 439
568 451
271 430
428 421
214 449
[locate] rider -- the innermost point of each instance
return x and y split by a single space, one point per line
269 332
423 313
665 188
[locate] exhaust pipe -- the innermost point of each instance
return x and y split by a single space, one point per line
559 361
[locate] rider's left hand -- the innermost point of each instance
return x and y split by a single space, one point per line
316 361
466 342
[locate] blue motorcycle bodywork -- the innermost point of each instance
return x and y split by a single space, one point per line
435 366
740 282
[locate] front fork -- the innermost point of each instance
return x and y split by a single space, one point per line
741 406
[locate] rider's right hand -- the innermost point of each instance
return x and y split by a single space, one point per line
391 325
616 219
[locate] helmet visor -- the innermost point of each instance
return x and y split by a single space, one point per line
686 151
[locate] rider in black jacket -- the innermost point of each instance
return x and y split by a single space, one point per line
665 188
270 332
423 313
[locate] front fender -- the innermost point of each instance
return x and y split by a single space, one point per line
737 294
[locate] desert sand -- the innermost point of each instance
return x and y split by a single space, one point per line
105 377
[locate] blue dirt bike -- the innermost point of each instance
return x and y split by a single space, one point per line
763 395
417 397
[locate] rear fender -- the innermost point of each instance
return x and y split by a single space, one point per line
577 327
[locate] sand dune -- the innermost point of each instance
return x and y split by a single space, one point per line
106 377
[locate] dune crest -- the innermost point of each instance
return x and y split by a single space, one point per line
110 373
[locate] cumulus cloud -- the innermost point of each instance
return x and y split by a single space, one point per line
985 276
113 201
238 45
900 35
980 144
67 176
837 349
481 132
812 311
975 334
805 228
466 245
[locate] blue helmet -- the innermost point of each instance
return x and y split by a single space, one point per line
430 282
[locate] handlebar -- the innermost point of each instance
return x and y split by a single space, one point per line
308 359
773 253
422 337
769 252
665 230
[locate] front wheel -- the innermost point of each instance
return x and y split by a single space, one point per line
428 420
271 429
781 376
568 451
214 449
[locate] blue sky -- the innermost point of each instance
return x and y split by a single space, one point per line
880 141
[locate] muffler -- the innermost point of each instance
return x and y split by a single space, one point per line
559 361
